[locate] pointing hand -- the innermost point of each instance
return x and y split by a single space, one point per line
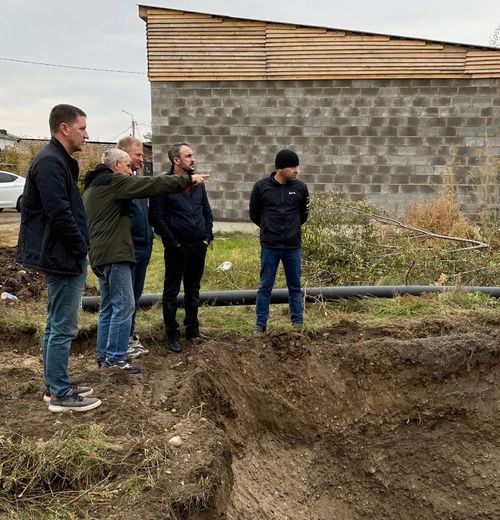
199 178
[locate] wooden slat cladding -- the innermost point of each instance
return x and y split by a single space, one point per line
190 46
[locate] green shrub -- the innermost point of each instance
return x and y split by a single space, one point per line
340 242
354 243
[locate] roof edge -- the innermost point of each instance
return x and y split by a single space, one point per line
143 15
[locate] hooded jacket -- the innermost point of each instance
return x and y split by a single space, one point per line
53 235
106 198
182 218
279 210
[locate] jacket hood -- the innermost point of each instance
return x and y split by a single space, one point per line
91 175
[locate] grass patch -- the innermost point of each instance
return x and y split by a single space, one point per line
239 321
243 252
56 470
75 471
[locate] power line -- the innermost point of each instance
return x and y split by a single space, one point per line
72 67
118 135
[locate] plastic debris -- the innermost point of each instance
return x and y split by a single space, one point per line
225 266
8 297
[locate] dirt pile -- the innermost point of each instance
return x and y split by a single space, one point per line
362 422
25 284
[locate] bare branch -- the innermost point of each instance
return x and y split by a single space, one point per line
475 244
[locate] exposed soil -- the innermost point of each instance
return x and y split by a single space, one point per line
382 422
25 284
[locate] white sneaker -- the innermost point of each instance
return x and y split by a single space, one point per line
132 353
135 346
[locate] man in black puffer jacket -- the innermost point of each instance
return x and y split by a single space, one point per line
279 205
54 238
184 222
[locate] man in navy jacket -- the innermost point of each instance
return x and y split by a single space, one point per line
279 205
142 235
54 238
184 222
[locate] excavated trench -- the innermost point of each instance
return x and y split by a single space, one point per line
371 422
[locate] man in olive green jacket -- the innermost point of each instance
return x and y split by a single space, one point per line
109 188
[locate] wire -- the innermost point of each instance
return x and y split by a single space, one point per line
73 67
118 135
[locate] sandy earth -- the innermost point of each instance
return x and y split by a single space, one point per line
375 422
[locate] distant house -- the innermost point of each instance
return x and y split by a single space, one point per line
93 148
7 139
377 117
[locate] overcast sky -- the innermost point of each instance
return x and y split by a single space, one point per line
108 34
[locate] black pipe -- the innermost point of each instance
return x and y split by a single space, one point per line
248 297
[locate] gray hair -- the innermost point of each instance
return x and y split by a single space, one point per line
109 157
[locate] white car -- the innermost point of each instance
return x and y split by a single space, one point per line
11 190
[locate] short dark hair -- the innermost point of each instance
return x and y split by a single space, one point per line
63 114
175 151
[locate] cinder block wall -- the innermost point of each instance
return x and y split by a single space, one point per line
388 141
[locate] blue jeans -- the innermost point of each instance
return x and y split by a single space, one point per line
142 256
115 315
269 262
64 295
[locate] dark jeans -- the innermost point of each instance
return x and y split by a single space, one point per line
269 262
142 256
183 264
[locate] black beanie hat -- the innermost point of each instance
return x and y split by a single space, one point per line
286 159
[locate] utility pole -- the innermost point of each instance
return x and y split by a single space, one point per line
134 122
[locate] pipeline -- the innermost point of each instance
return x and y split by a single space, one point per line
248 297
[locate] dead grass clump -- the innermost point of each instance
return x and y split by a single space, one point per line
69 461
443 216
74 471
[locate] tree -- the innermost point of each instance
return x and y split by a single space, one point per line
494 40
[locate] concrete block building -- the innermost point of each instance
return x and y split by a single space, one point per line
377 117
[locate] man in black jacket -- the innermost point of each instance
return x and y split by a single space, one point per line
184 222
54 238
279 205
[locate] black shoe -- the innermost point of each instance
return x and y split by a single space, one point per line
175 346
259 329
198 338
123 366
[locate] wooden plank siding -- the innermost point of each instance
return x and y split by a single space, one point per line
193 46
